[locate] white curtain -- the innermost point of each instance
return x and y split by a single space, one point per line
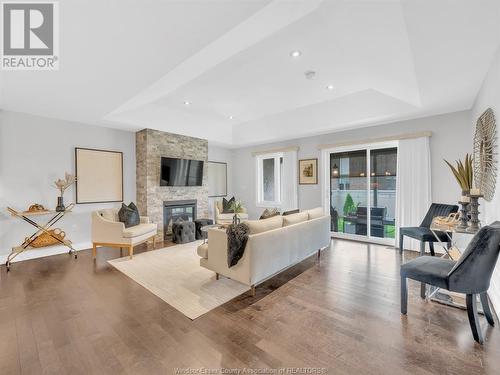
289 183
413 185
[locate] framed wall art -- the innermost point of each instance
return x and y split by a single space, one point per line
308 171
99 175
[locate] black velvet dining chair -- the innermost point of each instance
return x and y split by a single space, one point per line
423 232
470 274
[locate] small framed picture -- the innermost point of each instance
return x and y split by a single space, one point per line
308 171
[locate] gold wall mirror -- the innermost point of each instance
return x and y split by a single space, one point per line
485 156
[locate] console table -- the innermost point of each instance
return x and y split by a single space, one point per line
28 217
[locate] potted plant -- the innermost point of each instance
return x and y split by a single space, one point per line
463 173
236 207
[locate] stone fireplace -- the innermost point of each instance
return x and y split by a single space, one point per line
152 199
174 210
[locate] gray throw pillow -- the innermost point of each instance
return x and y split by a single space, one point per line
226 205
129 215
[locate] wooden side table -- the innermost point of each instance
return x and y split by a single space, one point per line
41 229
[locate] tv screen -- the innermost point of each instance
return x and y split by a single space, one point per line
181 172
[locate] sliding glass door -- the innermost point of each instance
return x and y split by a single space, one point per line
362 192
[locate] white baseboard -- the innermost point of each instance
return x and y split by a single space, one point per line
45 252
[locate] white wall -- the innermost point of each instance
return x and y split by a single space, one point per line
34 152
451 139
221 154
489 96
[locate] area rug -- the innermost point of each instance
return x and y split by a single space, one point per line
174 274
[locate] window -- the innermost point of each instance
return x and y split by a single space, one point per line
269 177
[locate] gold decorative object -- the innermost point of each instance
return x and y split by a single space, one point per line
36 208
485 162
447 221
48 238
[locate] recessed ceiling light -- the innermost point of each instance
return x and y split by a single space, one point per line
330 87
230 117
187 103
295 53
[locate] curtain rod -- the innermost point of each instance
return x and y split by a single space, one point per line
274 150
375 140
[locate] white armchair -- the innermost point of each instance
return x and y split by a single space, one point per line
108 231
222 218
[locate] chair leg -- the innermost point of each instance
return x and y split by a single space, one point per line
154 242
404 296
216 276
423 290
422 248
431 247
94 251
470 300
401 247
486 309
131 251
319 253
252 290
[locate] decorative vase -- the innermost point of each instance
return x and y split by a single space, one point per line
464 218
60 204
236 219
474 214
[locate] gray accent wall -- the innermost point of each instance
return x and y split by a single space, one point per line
451 139
34 152
489 97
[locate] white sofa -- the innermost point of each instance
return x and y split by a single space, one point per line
108 231
221 218
273 245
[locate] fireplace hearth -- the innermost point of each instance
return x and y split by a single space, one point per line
175 210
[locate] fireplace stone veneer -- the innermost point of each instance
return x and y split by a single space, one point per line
151 145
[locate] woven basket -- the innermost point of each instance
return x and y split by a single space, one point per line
46 239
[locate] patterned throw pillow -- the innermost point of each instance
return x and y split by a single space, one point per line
129 215
269 212
226 205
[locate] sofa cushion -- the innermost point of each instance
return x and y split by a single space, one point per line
202 250
269 212
315 213
259 226
291 212
139 230
110 214
295 218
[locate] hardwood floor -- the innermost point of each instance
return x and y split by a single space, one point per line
59 315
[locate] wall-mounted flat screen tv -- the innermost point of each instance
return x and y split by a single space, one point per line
181 172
